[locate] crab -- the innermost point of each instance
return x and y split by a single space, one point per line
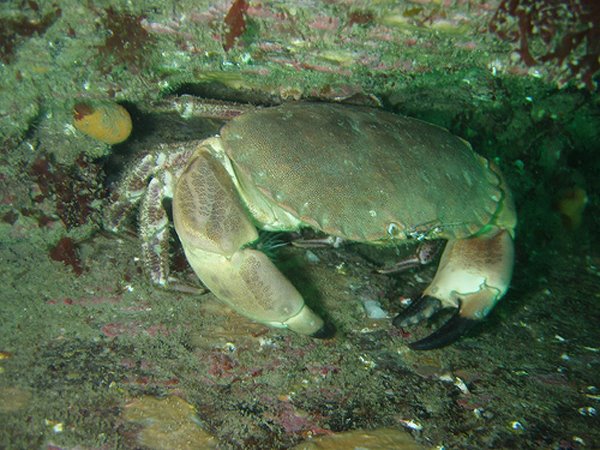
355 173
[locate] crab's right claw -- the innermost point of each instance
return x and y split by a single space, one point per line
472 277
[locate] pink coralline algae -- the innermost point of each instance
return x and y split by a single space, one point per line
561 35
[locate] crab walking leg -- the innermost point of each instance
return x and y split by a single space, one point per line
154 233
214 228
129 193
472 277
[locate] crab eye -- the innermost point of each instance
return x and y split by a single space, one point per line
394 230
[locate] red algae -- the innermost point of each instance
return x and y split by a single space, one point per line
66 252
235 20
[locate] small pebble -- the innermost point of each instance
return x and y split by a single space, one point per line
311 257
374 310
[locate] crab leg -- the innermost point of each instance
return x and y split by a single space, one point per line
472 277
215 229
129 193
425 253
155 233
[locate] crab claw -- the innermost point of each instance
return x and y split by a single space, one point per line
472 277
426 307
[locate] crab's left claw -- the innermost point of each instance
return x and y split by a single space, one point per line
472 276
424 308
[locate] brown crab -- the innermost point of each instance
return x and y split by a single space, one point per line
355 173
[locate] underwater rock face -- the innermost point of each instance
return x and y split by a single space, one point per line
74 349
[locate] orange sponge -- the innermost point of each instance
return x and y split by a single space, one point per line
571 204
107 122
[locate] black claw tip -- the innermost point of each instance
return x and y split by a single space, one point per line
423 308
327 331
455 327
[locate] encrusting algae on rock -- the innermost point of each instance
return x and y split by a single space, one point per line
167 423
106 122
378 439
